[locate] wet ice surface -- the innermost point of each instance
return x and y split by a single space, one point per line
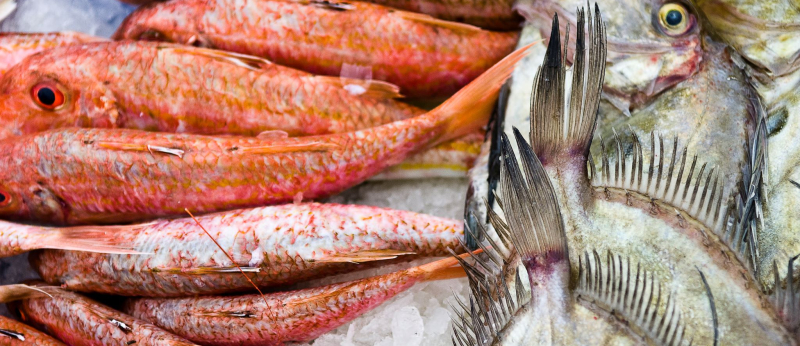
419 316
94 17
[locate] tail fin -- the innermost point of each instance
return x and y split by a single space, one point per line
443 269
470 108
555 132
12 293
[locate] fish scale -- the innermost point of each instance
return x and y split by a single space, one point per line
424 56
14 333
119 175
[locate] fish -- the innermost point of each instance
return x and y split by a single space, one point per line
170 88
14 47
16 239
765 33
274 246
78 320
586 252
646 54
493 15
75 176
448 160
14 333
281 317
424 56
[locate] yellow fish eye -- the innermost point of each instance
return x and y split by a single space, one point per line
674 19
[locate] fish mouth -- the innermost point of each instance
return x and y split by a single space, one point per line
772 46
667 63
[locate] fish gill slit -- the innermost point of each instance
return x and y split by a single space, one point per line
696 193
633 300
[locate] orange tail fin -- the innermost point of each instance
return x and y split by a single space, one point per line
444 269
470 108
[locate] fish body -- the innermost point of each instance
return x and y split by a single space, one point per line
424 56
14 47
274 245
765 33
78 320
282 317
14 333
168 88
493 15
641 250
78 176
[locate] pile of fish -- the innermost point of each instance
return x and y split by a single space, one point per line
649 134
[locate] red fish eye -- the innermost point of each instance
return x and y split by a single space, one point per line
153 35
47 96
5 199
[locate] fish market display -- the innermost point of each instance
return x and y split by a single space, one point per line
113 175
274 245
489 14
422 55
13 333
170 88
284 317
78 320
16 46
688 286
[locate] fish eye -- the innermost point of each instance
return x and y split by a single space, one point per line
674 19
5 199
48 96
152 35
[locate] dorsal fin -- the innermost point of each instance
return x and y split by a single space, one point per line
241 60
428 20
630 296
372 88
555 132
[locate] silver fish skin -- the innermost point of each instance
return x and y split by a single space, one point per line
274 246
606 264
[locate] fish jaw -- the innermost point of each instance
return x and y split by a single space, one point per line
766 35
642 62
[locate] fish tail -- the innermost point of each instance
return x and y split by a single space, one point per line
470 108
12 293
560 129
443 269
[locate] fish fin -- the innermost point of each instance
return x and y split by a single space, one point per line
443 268
286 148
207 270
601 286
531 208
333 5
556 131
153 149
362 256
426 19
6 7
227 314
242 60
785 297
471 107
367 87
273 134
100 239
11 293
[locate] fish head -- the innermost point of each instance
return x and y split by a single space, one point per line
174 22
652 44
24 199
49 90
766 33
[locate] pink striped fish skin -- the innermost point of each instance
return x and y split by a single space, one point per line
15 333
285 244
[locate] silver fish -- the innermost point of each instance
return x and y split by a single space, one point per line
643 250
